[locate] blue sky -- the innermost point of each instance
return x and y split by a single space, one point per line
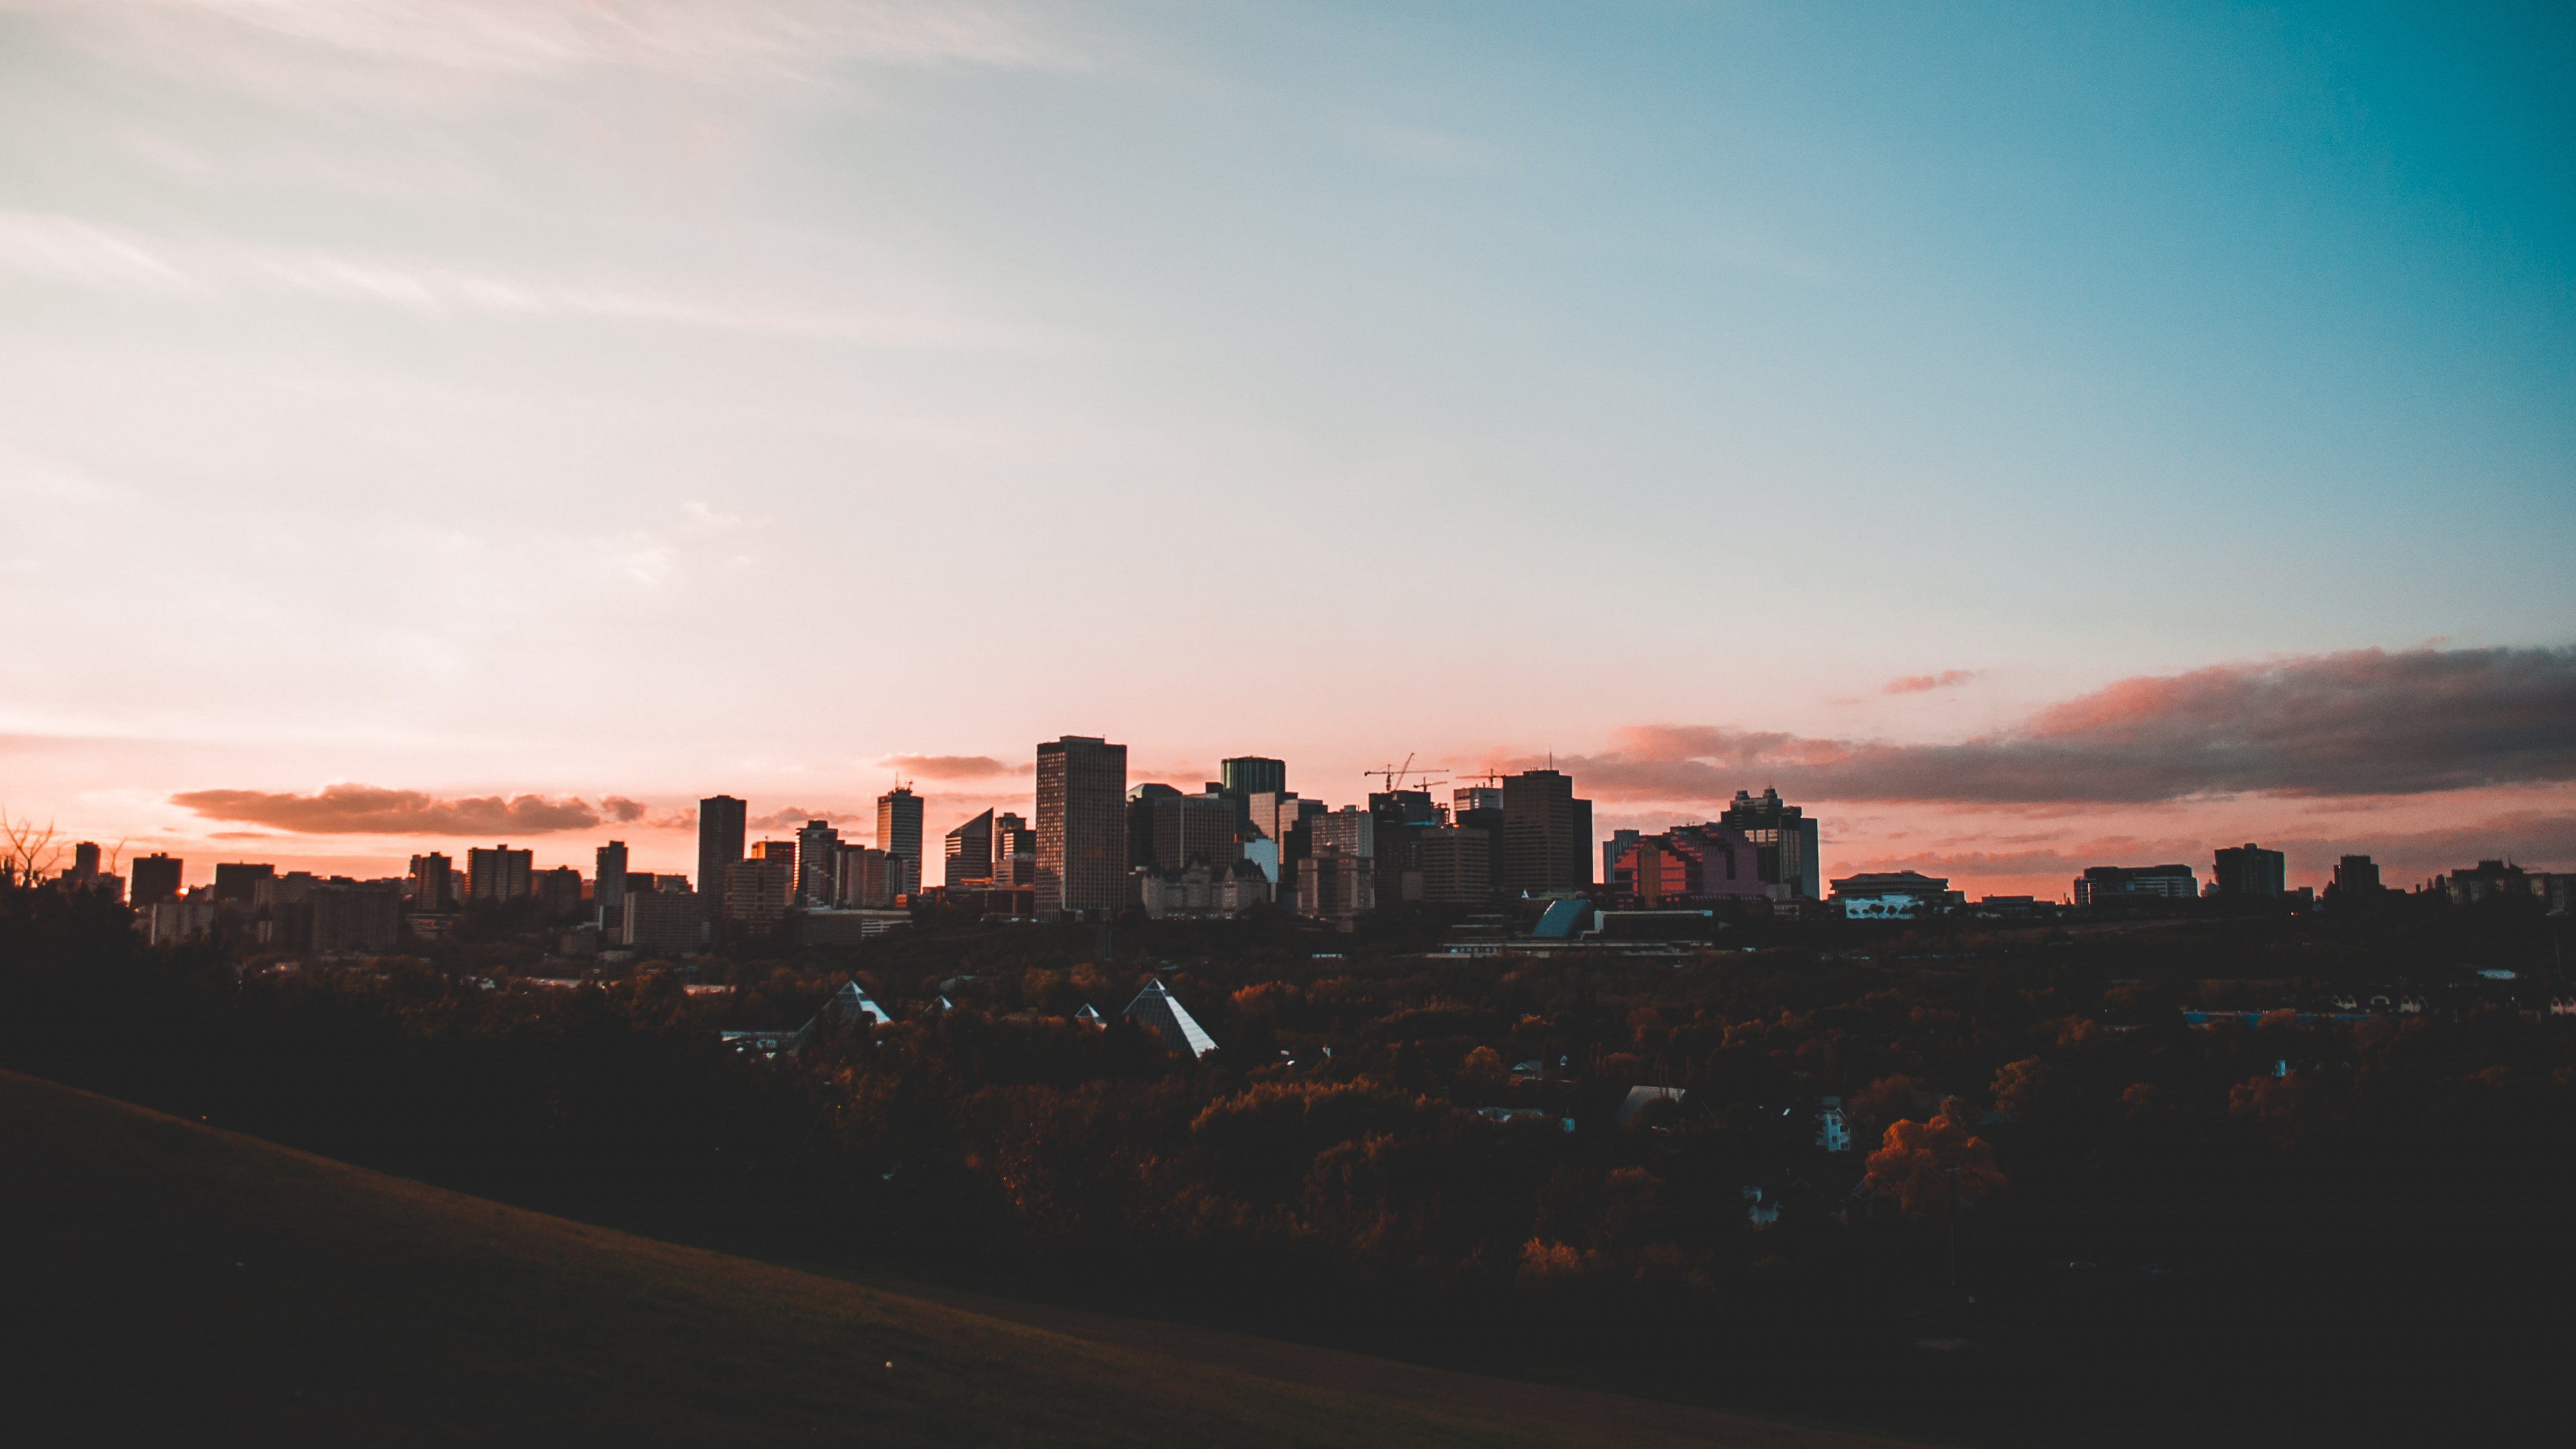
423 380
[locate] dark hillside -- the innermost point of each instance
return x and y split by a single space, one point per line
169 1279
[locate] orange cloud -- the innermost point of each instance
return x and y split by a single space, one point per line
955 767
1917 683
368 810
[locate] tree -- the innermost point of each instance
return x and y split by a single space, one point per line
1931 1167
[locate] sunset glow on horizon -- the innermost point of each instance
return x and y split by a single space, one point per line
2027 442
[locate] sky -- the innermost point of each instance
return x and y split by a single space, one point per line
2029 436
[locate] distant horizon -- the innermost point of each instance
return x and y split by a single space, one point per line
2029 437
2409 758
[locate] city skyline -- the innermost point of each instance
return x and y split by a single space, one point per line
1990 410
2404 757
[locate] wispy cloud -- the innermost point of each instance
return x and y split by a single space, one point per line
2366 722
1918 683
68 251
542 38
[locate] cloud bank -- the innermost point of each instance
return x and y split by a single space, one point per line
367 810
2366 722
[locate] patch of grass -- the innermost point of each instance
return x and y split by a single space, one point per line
171 1280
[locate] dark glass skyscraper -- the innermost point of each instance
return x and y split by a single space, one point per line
1082 826
970 852
1547 833
720 836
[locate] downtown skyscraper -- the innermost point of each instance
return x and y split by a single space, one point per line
1082 826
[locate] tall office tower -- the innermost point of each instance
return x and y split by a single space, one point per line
818 846
85 857
1785 840
1082 828
1192 827
2356 877
1246 776
1140 821
1015 852
156 879
899 827
557 891
608 883
720 837
1350 830
969 852
1271 814
1454 862
237 880
1402 818
1480 808
498 874
1547 833
433 883
1249 775
2250 871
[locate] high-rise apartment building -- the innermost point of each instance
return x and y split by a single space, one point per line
154 879
818 848
2250 872
1547 833
353 916
2356 877
498 874
1082 827
557 891
1786 842
238 880
721 821
608 883
663 923
969 853
899 827
756 893
433 883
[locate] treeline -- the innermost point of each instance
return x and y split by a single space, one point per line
1330 1171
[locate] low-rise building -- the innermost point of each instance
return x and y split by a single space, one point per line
1874 895
2104 885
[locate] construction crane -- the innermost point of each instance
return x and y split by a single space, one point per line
1396 775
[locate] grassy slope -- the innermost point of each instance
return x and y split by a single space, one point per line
172 1279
